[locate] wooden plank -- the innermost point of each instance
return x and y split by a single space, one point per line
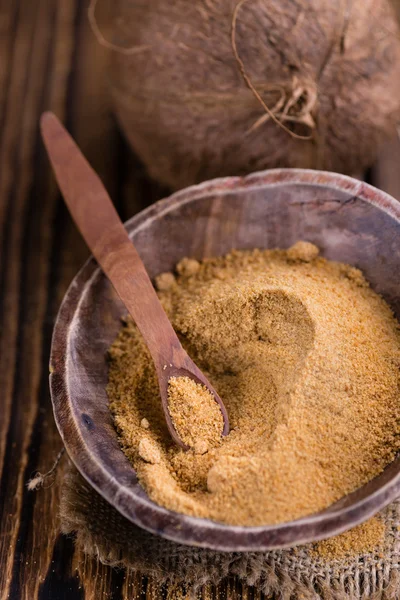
39 543
28 528
11 216
21 349
99 580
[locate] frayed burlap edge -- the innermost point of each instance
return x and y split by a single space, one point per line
103 533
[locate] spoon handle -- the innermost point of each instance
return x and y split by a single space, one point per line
96 218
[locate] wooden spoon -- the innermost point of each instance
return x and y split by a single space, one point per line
104 233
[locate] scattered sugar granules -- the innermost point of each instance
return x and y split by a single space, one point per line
362 539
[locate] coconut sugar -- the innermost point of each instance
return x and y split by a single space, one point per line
305 356
195 414
365 538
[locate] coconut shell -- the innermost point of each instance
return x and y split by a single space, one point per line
328 71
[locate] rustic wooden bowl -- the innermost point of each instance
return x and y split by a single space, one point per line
349 220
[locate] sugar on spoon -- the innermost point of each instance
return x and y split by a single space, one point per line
96 218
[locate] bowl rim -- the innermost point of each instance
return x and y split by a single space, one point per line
212 534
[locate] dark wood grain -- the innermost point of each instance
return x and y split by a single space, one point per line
50 60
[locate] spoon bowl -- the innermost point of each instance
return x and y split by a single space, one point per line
348 220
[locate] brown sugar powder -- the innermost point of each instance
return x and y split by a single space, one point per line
306 359
195 414
367 537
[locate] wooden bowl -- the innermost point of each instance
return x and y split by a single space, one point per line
349 220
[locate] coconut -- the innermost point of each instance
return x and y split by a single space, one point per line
207 88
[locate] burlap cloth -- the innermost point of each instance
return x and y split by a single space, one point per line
292 574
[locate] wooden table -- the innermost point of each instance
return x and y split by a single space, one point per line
50 60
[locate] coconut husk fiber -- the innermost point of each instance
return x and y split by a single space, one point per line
290 574
211 88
